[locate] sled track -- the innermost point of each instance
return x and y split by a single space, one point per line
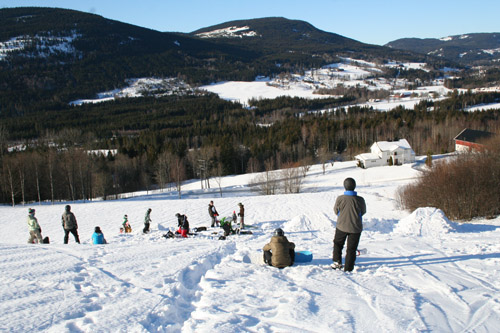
171 312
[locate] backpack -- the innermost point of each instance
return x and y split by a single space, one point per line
169 234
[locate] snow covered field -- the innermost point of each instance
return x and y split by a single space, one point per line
422 272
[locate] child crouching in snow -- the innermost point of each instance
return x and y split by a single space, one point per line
183 224
126 225
98 237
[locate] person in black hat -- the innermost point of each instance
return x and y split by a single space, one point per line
98 236
147 221
69 224
349 208
279 252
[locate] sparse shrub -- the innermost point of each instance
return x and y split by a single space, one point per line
465 187
428 160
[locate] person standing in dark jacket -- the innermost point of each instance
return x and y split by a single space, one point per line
241 214
147 221
69 224
349 208
213 213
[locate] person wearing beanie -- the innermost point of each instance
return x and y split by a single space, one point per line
213 214
349 209
279 252
69 224
147 221
126 225
98 237
34 228
241 214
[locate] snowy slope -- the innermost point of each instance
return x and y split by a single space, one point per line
422 271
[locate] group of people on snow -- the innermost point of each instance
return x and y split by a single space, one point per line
279 252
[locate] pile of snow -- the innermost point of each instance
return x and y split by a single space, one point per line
425 222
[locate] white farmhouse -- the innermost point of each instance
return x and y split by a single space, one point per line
382 152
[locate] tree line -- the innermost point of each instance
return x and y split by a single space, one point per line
160 143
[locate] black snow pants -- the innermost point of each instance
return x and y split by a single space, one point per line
74 231
352 247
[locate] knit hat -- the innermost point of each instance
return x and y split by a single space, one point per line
31 211
349 184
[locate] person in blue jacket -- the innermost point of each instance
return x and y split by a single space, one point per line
349 209
98 237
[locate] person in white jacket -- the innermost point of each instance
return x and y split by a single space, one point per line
34 228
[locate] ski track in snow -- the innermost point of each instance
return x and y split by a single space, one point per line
421 273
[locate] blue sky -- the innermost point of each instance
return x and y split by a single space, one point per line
368 21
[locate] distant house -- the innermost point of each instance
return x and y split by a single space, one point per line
470 139
383 152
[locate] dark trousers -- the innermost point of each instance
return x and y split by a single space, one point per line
146 228
352 247
75 234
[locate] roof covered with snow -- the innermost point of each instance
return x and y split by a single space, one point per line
392 145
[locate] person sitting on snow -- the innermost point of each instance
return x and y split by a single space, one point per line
98 237
225 224
183 224
126 225
279 252
34 228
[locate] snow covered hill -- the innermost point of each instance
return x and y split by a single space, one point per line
422 272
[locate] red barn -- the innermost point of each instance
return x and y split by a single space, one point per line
470 139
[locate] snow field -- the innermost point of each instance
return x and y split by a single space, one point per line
422 272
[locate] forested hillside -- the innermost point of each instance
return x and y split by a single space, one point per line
50 57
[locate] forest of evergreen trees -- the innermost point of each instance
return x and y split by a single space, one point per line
162 141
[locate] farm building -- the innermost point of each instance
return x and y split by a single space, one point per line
470 139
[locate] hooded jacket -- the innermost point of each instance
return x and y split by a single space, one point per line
280 248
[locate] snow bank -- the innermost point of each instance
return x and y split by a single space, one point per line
424 222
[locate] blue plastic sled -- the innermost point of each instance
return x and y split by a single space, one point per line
303 256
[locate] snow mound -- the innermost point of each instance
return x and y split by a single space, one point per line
424 222
308 224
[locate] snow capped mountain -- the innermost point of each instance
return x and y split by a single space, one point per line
230 32
468 48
